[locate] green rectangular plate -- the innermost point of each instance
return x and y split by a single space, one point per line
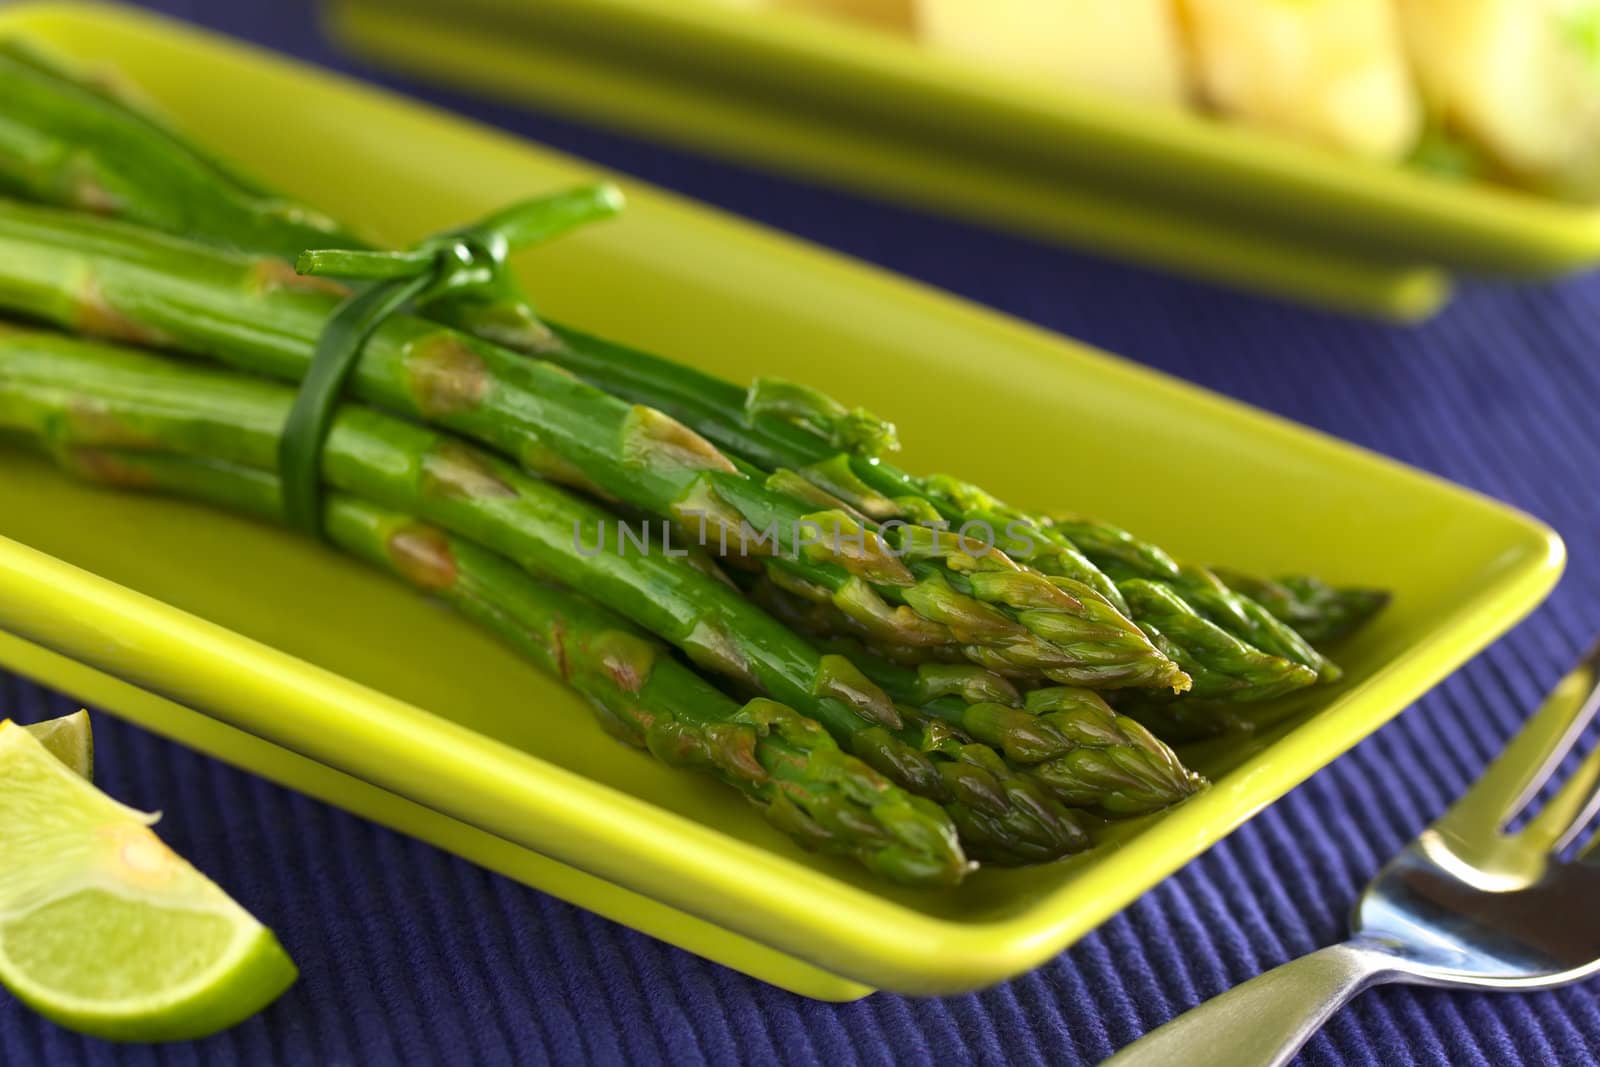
888 117
268 651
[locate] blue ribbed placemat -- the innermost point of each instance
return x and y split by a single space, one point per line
410 955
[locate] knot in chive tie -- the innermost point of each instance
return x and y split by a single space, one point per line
447 265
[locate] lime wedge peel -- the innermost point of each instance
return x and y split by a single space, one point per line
70 740
106 931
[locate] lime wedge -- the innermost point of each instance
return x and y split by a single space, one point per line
102 928
69 740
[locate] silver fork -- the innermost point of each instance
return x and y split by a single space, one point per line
1466 904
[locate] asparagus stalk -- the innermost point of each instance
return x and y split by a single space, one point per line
1068 738
1086 754
67 140
71 393
785 763
1116 767
915 586
1224 667
70 140
1321 613
1125 556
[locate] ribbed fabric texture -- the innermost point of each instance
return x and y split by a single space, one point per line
412 956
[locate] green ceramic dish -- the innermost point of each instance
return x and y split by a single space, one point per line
314 672
887 117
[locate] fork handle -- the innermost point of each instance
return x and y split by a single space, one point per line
1265 1021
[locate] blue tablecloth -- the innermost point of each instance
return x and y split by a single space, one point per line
410 955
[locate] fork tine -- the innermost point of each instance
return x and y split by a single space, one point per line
1533 755
1564 818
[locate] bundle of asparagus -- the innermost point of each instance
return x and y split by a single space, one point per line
941 689
781 760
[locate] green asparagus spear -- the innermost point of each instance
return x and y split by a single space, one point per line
1125 556
69 141
1069 739
785 763
74 393
915 585
1321 613
1222 666
1249 621
1116 767
66 139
